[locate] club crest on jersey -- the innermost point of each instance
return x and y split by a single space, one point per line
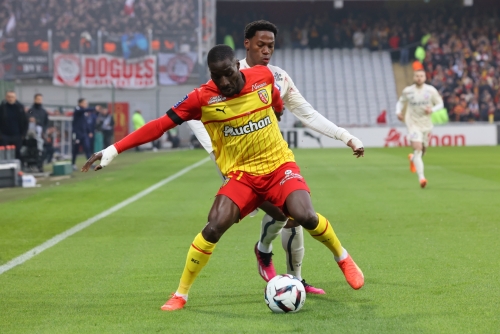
263 96
179 103
247 128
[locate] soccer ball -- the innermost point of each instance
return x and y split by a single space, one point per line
285 293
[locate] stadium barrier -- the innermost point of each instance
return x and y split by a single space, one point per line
452 135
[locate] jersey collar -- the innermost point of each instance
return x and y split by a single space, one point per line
243 63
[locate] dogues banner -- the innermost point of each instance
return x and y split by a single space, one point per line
101 71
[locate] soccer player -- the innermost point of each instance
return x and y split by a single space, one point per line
259 43
248 148
421 101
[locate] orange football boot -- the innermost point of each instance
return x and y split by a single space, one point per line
353 275
413 169
423 183
174 303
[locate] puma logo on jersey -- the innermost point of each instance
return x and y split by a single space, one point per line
247 128
221 110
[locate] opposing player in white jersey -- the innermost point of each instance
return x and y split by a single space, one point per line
259 43
421 101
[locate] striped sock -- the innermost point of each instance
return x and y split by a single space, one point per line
197 257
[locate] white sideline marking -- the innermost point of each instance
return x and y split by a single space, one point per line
77 228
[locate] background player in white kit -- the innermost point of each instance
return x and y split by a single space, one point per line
259 43
421 101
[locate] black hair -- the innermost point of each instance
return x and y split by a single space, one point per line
261 25
36 95
80 100
219 53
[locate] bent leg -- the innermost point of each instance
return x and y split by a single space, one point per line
417 158
299 205
223 215
271 225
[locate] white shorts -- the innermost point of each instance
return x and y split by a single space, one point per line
415 134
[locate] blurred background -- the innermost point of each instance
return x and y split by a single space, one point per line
350 59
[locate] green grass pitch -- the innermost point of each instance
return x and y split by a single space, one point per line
430 257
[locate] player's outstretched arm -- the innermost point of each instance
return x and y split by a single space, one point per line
149 132
313 120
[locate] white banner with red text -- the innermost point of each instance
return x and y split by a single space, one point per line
100 71
450 135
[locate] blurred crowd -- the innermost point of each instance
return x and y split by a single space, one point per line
77 16
461 47
463 62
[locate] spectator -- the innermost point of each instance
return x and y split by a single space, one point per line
404 57
90 118
474 109
13 122
394 45
81 132
314 38
48 145
173 137
138 122
42 119
358 39
107 126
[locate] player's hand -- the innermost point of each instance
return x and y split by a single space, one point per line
105 157
357 147
428 110
400 117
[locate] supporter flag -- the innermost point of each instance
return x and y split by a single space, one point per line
175 68
440 116
11 24
129 7
382 118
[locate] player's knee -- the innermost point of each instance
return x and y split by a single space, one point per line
212 233
291 223
273 211
308 219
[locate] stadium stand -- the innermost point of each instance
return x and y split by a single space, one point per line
112 16
348 86
352 85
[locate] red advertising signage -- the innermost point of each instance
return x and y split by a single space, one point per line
99 71
120 113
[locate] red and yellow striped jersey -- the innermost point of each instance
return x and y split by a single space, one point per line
243 128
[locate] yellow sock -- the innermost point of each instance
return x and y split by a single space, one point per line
324 233
197 257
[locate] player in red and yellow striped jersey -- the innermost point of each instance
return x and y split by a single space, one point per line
243 128
238 109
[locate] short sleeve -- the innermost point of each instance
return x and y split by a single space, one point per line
189 107
277 101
